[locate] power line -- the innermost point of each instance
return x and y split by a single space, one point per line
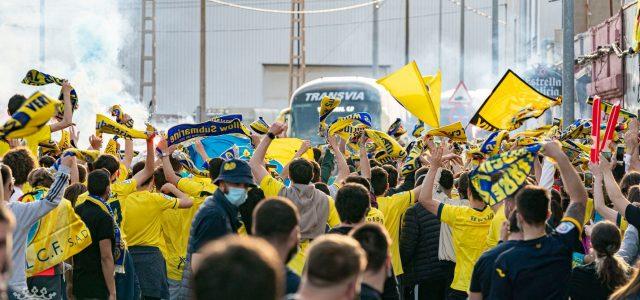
316 11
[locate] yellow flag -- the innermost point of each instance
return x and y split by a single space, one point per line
282 151
30 117
453 131
511 102
408 87
112 148
384 142
434 87
108 126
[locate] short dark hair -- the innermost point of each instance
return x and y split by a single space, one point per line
46 161
474 192
137 167
275 218
420 174
73 191
446 179
634 194
316 171
214 167
375 241
255 195
158 178
630 179
6 175
532 203
82 173
360 180
98 181
463 185
240 268
15 102
107 162
352 203
379 181
21 162
393 175
175 163
513 222
300 171
323 187
40 177
317 154
374 163
333 259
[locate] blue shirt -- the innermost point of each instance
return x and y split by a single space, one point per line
215 218
293 281
481 277
539 268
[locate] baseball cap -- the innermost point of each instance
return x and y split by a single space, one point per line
235 171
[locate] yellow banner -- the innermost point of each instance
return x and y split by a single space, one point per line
434 87
384 142
408 87
282 151
65 140
510 103
108 126
453 131
30 117
112 148
58 236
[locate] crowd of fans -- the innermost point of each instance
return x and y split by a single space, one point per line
334 227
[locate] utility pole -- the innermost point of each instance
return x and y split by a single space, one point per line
522 33
148 54
42 33
461 71
202 107
440 36
406 32
567 63
374 42
297 49
494 37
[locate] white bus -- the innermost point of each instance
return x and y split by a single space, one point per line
358 94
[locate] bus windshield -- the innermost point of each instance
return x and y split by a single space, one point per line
305 107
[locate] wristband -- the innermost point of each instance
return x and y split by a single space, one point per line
271 135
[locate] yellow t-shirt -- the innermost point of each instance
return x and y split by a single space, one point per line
144 217
176 226
196 188
590 212
4 148
124 173
44 134
496 225
375 216
393 208
469 229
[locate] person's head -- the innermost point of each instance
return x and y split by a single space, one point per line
159 179
175 164
606 240
40 177
515 233
634 194
352 203
82 173
277 220
317 154
630 179
300 171
137 167
379 181
316 172
335 264
446 179
109 163
15 102
240 268
555 206
214 167
463 185
99 183
7 225
323 187
359 179
21 162
255 195
532 203
7 182
234 180
373 163
73 191
393 175
46 161
375 241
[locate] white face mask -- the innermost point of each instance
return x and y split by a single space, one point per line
237 196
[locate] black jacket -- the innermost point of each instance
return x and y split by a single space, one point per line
419 242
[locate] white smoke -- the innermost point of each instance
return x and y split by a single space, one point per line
83 40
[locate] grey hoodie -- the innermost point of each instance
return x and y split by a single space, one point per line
26 215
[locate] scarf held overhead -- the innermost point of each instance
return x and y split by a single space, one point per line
37 78
108 126
183 132
30 117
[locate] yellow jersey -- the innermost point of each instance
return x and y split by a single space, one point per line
196 187
469 229
375 216
44 134
176 226
144 217
496 225
393 208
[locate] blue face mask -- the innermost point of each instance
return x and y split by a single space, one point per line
236 196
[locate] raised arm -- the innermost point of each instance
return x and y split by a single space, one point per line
201 151
425 198
128 153
184 201
598 195
147 172
365 165
67 119
257 160
303 149
343 167
572 183
618 199
167 168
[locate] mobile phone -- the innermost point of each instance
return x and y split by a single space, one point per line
620 153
